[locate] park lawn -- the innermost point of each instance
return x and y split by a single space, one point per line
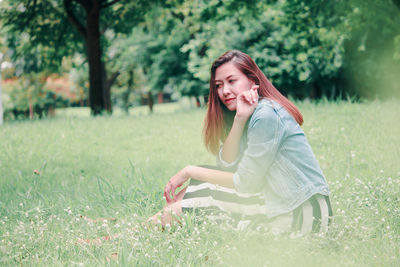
53 172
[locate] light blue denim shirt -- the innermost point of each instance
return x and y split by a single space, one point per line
275 158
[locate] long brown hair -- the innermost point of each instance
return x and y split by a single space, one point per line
218 120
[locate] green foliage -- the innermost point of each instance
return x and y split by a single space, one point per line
38 34
309 49
305 48
372 31
52 30
30 93
179 45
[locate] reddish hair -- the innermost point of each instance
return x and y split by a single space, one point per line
218 120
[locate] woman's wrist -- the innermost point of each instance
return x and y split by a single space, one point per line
187 171
240 119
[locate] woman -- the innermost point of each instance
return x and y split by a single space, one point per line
265 164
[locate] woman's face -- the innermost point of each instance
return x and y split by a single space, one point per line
231 82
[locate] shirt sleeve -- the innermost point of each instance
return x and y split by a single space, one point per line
222 163
263 139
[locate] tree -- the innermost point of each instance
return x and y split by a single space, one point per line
60 28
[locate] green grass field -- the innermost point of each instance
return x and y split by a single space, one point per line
115 167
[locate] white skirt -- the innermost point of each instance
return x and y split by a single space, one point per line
314 215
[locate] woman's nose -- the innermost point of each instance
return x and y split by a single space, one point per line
226 90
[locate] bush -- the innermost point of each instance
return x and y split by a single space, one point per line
22 95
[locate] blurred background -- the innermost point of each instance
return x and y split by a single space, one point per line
120 54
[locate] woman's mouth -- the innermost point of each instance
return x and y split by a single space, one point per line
229 100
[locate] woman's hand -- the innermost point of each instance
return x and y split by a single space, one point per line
174 183
247 101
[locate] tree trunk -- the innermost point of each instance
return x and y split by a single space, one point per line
99 98
160 97
97 93
107 83
125 96
150 101
205 99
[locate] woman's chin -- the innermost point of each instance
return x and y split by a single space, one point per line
231 107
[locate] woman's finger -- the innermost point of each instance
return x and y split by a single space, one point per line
166 195
167 191
173 189
254 96
251 97
247 96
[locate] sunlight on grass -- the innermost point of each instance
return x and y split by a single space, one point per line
58 172
182 104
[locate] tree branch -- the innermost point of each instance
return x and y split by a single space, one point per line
109 3
71 17
112 79
31 11
179 16
84 3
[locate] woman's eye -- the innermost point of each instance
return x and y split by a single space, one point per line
232 81
217 86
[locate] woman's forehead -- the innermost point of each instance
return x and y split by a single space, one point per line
226 70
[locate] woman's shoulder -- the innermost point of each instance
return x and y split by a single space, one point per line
265 109
268 104
265 112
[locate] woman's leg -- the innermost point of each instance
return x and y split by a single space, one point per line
172 211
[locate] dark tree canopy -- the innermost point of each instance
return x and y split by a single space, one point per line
45 31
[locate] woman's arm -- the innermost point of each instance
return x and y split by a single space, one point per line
231 145
218 177
222 178
246 103
265 135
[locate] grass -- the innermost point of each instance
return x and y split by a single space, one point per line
54 171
